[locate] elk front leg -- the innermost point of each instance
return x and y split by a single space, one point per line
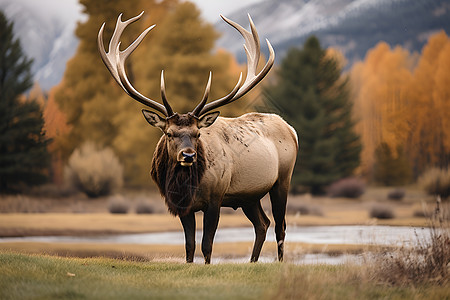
188 222
210 222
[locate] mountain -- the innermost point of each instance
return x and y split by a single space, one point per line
46 29
353 26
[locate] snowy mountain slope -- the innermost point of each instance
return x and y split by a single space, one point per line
354 26
46 27
46 31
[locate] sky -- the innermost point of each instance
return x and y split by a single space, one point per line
70 8
211 10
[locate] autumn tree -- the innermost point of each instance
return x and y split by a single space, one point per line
402 101
391 168
313 96
181 45
56 128
381 91
430 98
98 110
23 153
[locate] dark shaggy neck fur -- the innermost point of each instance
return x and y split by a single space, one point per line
178 185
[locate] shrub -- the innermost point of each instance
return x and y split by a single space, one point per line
396 194
118 205
436 182
426 261
144 207
381 212
93 171
347 187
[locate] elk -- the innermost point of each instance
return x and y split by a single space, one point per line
204 162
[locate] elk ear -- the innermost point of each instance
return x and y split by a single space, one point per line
208 119
154 119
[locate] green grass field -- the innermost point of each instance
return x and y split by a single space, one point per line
25 276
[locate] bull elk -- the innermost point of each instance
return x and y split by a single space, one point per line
205 162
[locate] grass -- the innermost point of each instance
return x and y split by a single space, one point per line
45 277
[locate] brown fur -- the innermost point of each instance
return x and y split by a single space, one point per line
177 184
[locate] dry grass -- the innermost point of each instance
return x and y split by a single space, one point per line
103 278
427 261
293 251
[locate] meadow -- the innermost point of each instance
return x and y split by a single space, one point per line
32 270
47 277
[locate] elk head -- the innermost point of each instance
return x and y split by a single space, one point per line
182 131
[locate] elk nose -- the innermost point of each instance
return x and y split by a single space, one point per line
188 157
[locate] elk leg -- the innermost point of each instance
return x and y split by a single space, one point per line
278 198
188 222
210 222
256 215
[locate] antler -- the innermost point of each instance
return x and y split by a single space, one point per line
115 62
252 49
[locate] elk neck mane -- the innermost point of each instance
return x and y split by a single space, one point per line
178 185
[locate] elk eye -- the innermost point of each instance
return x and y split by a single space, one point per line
169 135
198 135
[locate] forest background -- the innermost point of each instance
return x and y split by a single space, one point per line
400 100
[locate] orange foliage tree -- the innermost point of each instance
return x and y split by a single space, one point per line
55 128
404 104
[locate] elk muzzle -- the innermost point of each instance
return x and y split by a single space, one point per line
187 157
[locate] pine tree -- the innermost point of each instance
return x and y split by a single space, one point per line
23 147
313 96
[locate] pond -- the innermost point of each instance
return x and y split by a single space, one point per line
358 234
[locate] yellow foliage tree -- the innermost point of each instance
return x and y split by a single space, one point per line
98 110
430 91
381 87
404 105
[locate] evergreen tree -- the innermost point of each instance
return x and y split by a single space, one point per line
312 96
23 147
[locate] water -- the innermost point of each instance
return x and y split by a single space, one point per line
360 234
328 235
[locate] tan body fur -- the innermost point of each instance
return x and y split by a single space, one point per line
245 157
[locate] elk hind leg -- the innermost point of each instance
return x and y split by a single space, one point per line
278 199
256 215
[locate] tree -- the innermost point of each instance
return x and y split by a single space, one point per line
391 169
381 86
98 110
23 146
403 100
313 96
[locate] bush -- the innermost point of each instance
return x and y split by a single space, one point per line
396 194
347 187
118 205
145 207
426 261
381 212
94 172
436 182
